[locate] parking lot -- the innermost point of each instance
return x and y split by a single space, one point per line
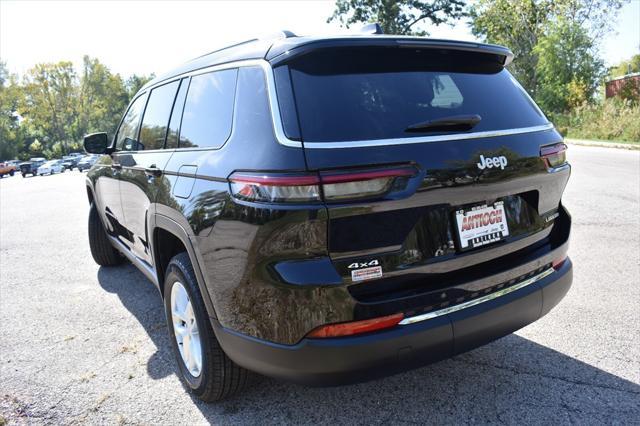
82 343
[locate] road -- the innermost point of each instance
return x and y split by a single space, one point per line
87 344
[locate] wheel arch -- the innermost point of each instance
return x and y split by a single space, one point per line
90 194
168 239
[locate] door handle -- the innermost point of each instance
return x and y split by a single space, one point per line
152 171
116 166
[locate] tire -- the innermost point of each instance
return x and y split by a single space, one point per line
24 175
12 172
104 254
219 377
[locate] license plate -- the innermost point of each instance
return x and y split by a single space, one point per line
481 225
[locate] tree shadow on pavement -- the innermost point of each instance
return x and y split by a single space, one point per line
143 300
513 380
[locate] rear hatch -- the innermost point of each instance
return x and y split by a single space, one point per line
459 158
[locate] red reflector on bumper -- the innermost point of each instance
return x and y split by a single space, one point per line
557 263
356 327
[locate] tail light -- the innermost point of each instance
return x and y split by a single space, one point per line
317 187
356 327
275 188
554 155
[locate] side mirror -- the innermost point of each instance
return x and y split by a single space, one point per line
96 143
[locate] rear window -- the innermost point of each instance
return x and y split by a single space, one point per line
377 93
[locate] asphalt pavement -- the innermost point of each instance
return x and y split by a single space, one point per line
84 344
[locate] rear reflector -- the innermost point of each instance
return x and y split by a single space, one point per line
316 187
554 155
356 327
557 263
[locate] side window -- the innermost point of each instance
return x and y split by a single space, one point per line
156 116
126 139
176 115
208 110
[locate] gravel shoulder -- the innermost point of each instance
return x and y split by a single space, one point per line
84 344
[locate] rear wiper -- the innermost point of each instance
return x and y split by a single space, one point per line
446 124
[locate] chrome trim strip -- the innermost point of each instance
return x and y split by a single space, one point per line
495 295
426 139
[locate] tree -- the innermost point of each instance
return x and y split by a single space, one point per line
517 25
36 148
567 67
50 103
11 137
397 17
102 99
526 25
135 83
625 67
59 107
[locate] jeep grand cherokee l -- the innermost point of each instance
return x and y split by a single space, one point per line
326 210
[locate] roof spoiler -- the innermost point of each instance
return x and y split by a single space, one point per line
285 50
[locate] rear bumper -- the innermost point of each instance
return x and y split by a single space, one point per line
351 359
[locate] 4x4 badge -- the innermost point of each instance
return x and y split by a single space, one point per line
358 265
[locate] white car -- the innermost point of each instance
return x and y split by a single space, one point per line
51 167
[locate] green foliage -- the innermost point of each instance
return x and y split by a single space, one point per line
50 101
135 83
397 17
614 119
626 67
54 107
10 132
35 149
517 25
554 43
568 72
102 99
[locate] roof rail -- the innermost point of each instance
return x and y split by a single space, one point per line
373 28
223 48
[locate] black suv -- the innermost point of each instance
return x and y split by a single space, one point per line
31 167
327 210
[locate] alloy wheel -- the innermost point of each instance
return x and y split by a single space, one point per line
185 329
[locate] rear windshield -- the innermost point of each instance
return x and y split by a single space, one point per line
375 93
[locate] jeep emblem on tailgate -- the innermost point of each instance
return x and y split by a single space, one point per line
491 162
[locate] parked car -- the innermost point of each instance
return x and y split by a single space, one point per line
403 207
51 167
71 161
86 162
31 167
7 168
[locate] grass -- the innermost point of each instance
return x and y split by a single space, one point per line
614 120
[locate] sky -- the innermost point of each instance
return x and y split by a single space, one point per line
153 37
